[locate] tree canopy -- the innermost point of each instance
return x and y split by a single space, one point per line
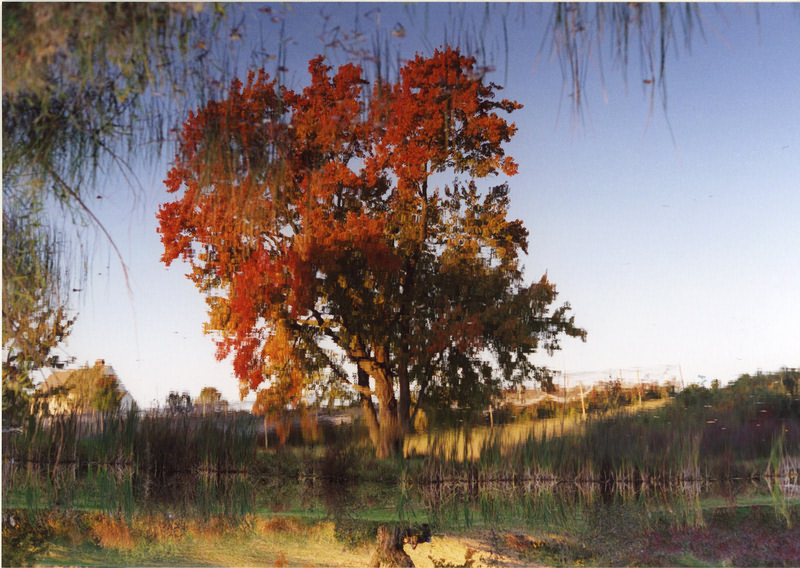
87 85
210 399
313 226
106 396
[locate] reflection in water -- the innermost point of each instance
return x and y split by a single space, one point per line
562 507
121 490
357 510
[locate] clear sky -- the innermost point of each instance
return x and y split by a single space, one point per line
676 247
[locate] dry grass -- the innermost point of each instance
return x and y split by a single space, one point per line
210 531
752 537
110 532
63 527
285 525
454 444
276 542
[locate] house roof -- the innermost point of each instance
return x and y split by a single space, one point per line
63 377
55 380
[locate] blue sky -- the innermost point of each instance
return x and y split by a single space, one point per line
674 247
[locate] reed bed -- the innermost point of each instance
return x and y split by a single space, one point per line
467 443
690 438
152 444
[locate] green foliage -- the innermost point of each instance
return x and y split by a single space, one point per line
696 396
784 380
80 83
107 396
789 379
25 538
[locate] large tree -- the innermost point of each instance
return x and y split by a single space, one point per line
92 85
312 223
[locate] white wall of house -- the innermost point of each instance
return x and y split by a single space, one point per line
126 402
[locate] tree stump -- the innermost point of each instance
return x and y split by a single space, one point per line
390 541
390 551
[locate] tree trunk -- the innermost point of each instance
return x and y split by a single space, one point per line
406 307
390 436
406 311
389 551
390 433
60 444
404 406
370 416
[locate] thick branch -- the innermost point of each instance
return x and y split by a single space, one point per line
298 326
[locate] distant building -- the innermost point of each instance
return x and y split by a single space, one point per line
74 390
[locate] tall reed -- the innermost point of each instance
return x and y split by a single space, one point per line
682 441
152 443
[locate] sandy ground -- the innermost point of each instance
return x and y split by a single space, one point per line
483 550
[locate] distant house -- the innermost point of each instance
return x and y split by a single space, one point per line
76 390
